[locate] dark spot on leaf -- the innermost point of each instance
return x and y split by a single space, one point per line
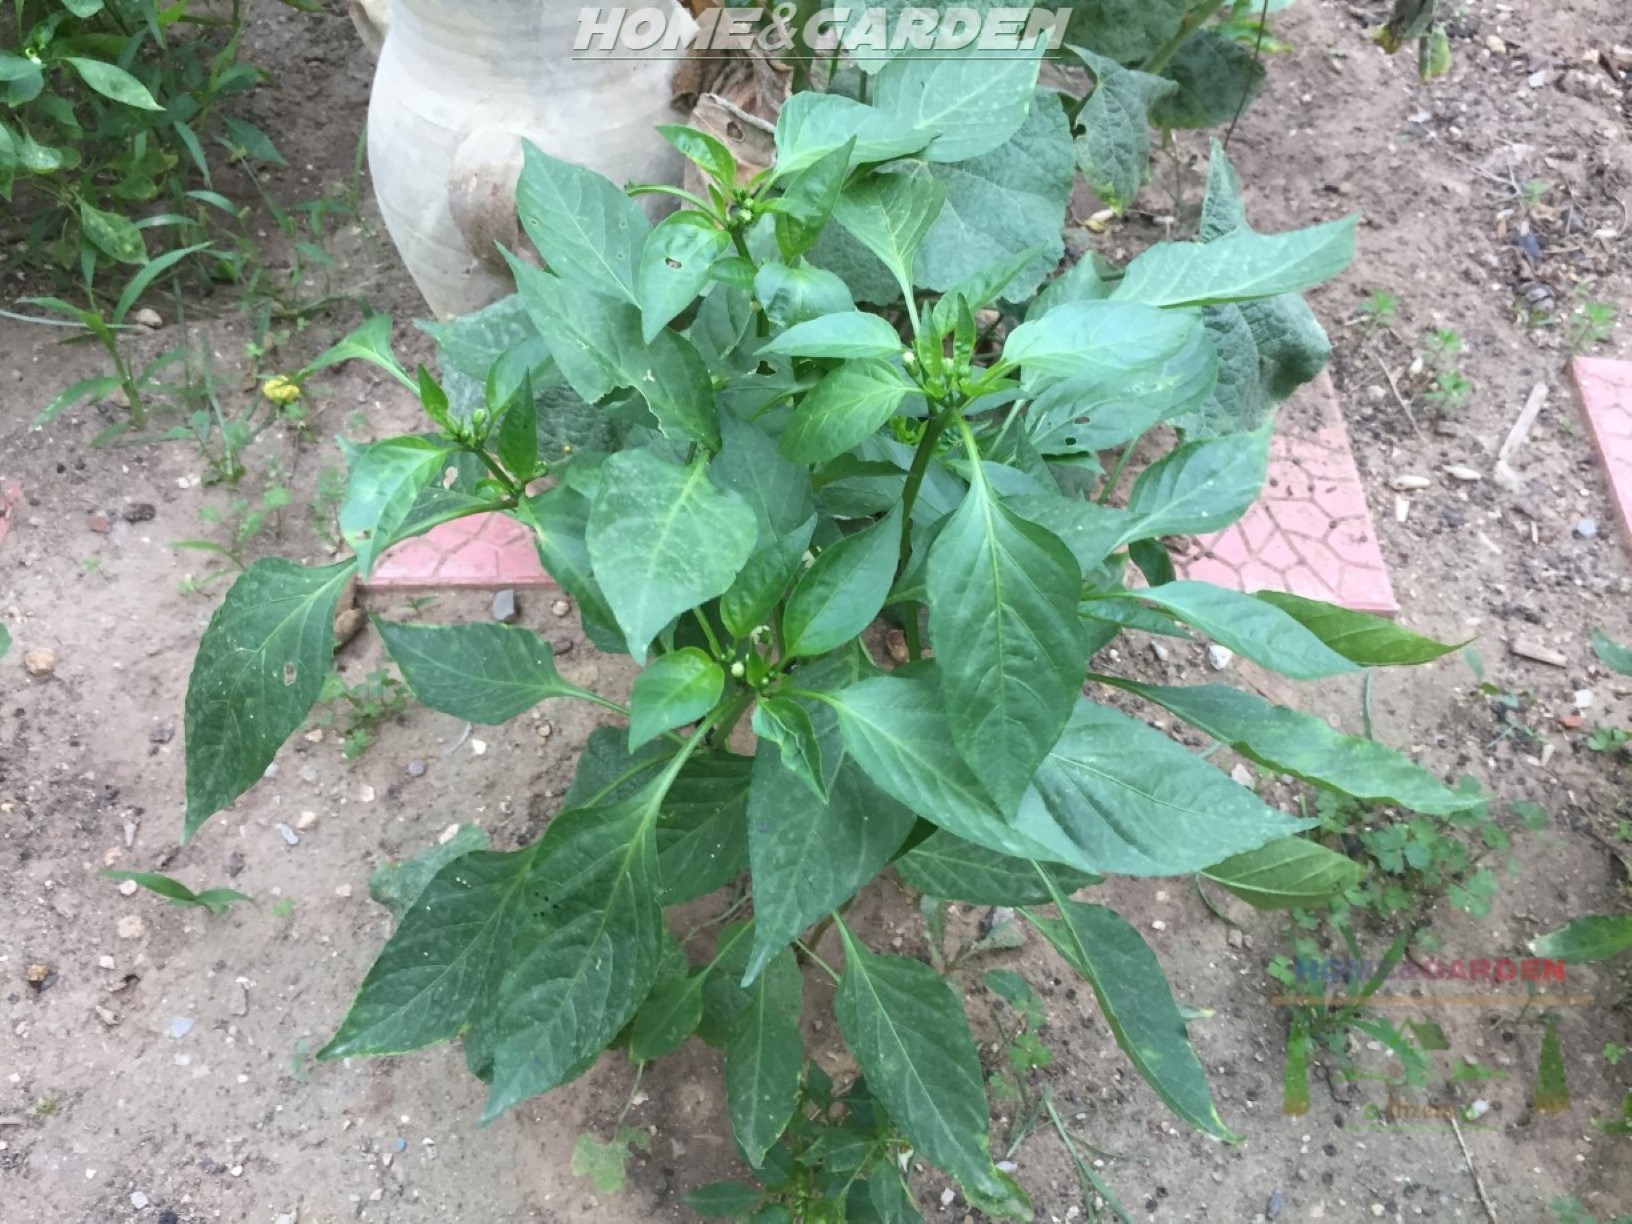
673 263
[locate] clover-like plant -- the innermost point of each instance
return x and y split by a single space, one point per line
735 470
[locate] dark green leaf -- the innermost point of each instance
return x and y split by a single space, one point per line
663 539
1610 653
1202 487
1113 148
1292 873
674 267
1138 1006
398 885
1128 31
844 409
594 339
1363 639
1277 641
481 672
890 214
812 125
258 671
702 831
764 1054
670 1014
952 869
386 480
1096 339
796 294
1238 267
672 691
805 207
113 82
848 334
723 1200
963 103
1217 78
1593 938
588 231
1003 619
844 590
911 1039
786 724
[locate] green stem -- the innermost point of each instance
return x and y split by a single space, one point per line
1109 486
915 478
708 632
1193 21
816 960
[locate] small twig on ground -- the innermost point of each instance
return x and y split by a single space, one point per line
1400 399
1484 1200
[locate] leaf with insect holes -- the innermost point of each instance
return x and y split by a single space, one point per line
113 235
259 670
1113 144
483 673
584 225
674 267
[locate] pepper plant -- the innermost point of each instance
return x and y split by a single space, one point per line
735 471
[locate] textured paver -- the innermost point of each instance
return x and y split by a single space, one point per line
1605 387
483 551
1311 533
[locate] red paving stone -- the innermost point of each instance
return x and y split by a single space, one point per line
1311 533
483 552
1605 387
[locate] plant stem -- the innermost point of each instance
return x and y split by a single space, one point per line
1109 486
915 478
816 960
1193 20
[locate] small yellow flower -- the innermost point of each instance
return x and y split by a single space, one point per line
281 390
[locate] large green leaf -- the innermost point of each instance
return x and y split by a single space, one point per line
386 480
1251 627
1240 266
1217 79
1138 1005
112 234
965 103
577 973
670 1014
1593 938
812 125
847 334
1113 144
1292 873
663 539
675 265
398 885
670 692
797 293
764 1056
584 225
890 214
1096 339
1092 532
673 378
442 965
559 518
906 1027
1136 803
810 857
592 338
806 204
1003 618
702 830
260 667
482 672
113 82
844 590
1201 487
843 410
952 869
1364 639
1128 31
1292 742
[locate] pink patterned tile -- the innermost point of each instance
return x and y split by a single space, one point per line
1311 532
484 551
1605 387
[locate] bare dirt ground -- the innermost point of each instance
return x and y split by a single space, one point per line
163 1071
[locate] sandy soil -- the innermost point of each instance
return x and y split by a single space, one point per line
167 1056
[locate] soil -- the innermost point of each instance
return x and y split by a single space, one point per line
162 1069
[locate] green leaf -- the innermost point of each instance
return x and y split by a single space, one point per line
896 728
370 341
812 125
1217 79
259 669
848 334
806 206
1552 1094
909 1035
592 338
1276 640
724 997
952 869
1095 339
672 691
724 1200
5 641
964 103
1291 873
587 229
785 723
482 672
1610 653
112 234
1136 803
1239 267
1593 938
386 480
796 294
217 900
577 973
709 155
1003 618
1128 31
842 593
559 518
1291 742
674 380
1002 205
606 1165
1201 487
675 265
1363 639
890 214
702 831
398 885
663 539
670 1014
843 410
1113 149
809 857
1138 1005
113 82
764 1054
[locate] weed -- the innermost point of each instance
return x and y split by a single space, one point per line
245 522
1446 388
355 711
1613 1053
1378 312
217 900
1589 325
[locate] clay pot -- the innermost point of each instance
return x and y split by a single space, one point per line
460 84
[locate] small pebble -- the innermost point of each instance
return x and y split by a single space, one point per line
948 1197
1457 471
104 962
1006 1166
448 834
1277 1200
1242 776
1158 925
181 1026
128 888
308 773
100 523
1219 657
132 927
138 1200
40 661
560 607
343 891
290 837
147 317
1583 698
504 607
365 793
306 821
479 747
1407 482
1587 528
416 769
